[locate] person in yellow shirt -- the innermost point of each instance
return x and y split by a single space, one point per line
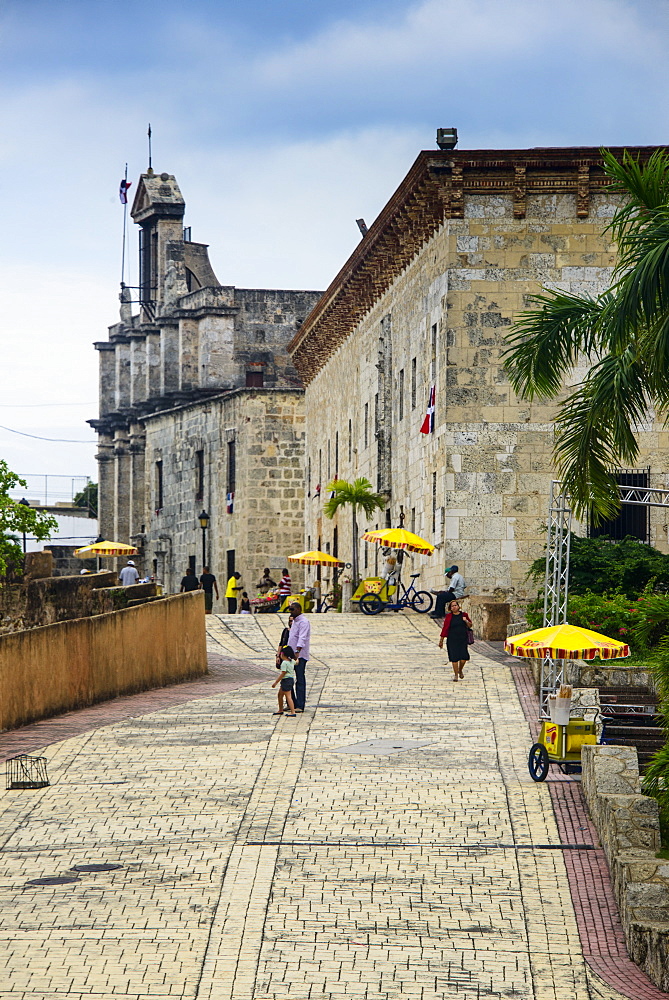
232 592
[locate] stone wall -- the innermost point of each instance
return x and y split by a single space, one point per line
629 830
266 429
478 485
58 668
61 598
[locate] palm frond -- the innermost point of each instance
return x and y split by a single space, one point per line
357 494
595 432
546 342
645 187
642 273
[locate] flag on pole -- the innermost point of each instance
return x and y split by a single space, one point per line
428 423
123 190
230 503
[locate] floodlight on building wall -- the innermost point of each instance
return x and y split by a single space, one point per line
447 138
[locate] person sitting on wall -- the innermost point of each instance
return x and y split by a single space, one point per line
456 586
189 581
266 582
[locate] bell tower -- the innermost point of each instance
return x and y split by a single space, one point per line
159 210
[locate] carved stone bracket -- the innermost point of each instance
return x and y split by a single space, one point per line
457 206
519 191
583 191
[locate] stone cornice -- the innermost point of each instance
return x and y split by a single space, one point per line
433 191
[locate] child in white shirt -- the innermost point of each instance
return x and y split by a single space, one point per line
286 679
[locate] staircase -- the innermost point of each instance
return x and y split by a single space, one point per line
630 720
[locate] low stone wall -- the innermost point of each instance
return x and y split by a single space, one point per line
56 668
489 618
60 598
629 830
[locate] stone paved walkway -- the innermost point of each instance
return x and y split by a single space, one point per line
268 858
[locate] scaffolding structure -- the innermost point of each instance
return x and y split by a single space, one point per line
556 580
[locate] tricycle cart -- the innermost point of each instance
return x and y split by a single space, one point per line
396 598
561 745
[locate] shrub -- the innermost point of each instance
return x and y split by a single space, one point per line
600 565
613 615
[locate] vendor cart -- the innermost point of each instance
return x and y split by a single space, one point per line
562 737
561 745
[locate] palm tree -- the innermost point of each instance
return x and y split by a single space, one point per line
359 496
623 336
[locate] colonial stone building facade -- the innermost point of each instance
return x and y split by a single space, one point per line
200 407
425 301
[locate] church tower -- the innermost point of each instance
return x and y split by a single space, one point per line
159 210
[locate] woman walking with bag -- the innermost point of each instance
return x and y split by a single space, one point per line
456 631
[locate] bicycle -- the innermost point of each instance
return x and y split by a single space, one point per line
418 600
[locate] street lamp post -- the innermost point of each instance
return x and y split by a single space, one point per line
204 524
24 503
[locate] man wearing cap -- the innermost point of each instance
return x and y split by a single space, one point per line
456 587
299 638
128 574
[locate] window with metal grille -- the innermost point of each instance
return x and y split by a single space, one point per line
199 475
400 393
413 383
232 470
159 485
631 520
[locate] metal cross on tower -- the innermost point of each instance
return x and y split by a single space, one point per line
556 580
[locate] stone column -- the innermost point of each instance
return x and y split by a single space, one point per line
106 485
169 358
137 368
346 594
152 364
188 354
107 378
138 516
122 487
122 354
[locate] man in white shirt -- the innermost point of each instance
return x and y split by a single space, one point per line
455 590
299 638
128 574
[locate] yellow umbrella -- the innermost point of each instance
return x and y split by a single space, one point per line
566 642
103 549
399 538
315 558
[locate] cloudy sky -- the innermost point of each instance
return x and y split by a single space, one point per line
283 122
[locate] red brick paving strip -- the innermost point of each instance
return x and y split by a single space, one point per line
597 917
225 674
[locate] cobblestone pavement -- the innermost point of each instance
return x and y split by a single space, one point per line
277 859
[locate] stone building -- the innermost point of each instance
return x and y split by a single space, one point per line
425 301
200 407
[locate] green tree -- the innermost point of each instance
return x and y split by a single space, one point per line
622 335
357 495
17 517
88 497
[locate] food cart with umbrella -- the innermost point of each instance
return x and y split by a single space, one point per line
313 558
397 538
105 550
561 737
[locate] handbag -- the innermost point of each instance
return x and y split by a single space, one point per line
470 636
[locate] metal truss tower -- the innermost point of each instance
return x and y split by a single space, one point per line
556 581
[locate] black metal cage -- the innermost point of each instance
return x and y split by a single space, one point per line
26 772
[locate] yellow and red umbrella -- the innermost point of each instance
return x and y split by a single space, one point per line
565 642
105 549
315 558
399 538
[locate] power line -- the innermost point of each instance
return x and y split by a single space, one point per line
38 437
16 406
